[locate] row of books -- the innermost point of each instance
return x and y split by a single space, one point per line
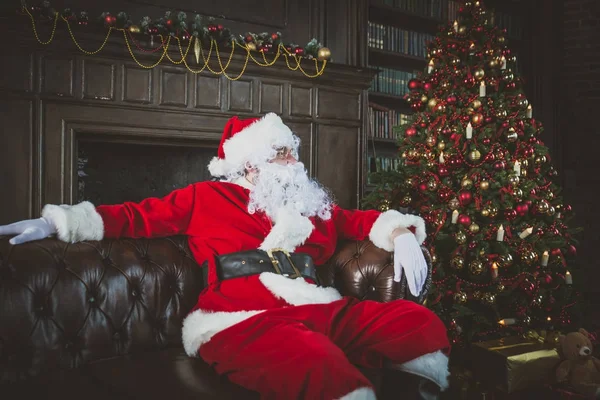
390 38
426 8
380 164
382 121
392 81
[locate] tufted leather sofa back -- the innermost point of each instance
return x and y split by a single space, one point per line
64 305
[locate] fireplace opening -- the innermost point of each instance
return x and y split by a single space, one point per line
115 172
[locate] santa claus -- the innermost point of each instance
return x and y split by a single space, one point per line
260 230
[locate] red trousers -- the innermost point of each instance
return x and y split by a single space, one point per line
310 351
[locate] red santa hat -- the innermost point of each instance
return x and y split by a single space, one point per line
250 141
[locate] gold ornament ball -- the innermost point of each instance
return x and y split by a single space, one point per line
457 262
477 118
551 211
432 185
543 207
505 260
476 267
445 85
462 29
493 63
476 104
432 103
466 183
460 297
454 204
501 113
482 253
323 54
431 140
474 228
441 145
385 205
409 182
406 200
485 212
484 185
431 164
489 298
470 110
513 180
251 46
134 29
493 212
474 155
529 257
424 99
518 193
549 195
500 287
479 74
540 160
511 134
413 154
460 237
501 39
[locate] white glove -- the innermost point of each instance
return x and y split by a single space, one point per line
28 230
409 257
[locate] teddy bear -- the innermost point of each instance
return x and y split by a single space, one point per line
579 367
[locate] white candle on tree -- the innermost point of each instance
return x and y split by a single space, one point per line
517 168
494 270
454 216
500 234
545 257
469 131
482 89
526 233
529 112
568 278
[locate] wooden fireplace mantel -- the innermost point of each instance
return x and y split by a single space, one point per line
53 94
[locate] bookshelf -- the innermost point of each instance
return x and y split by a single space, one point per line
398 32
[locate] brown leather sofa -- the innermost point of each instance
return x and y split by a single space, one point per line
102 320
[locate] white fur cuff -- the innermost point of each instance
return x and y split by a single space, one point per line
387 222
297 291
75 223
290 231
432 366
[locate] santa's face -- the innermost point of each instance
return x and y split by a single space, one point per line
284 182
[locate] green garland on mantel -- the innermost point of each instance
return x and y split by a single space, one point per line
177 25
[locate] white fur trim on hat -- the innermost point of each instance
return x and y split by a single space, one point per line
254 145
200 326
298 292
75 223
381 231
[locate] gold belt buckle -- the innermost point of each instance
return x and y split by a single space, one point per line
275 262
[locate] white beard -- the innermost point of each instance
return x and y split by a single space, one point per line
289 186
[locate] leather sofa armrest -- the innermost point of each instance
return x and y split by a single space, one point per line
364 271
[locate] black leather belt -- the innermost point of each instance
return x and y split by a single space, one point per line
254 262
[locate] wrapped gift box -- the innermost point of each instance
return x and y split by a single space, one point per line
514 363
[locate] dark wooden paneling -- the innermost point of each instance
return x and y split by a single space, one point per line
271 98
173 87
336 167
338 105
18 73
241 95
304 130
300 101
137 84
208 91
98 80
16 160
57 75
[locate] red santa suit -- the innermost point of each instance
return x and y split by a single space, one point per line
284 338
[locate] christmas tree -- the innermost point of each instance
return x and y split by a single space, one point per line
474 167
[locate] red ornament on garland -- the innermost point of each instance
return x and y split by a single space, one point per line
427 86
510 214
410 132
299 51
414 84
522 209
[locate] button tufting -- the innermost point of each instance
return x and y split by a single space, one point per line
117 336
134 293
92 300
372 288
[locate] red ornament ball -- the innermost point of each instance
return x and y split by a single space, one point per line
465 198
274 36
572 250
499 165
427 86
464 220
452 99
423 187
443 171
444 194
410 132
522 209
414 84
556 252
